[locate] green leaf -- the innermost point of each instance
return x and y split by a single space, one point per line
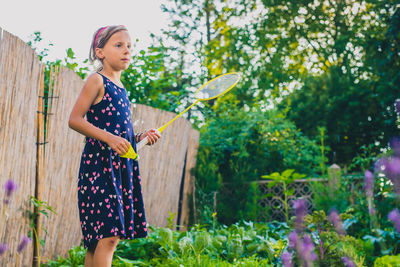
165 235
290 192
202 241
287 173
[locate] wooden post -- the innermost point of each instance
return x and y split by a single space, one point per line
334 174
40 141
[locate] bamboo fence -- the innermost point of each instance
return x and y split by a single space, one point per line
46 165
20 75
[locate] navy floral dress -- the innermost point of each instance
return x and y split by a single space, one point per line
110 199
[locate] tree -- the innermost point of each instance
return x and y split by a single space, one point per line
348 97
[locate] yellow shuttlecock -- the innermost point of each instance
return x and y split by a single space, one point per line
130 154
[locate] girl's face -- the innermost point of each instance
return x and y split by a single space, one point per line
116 53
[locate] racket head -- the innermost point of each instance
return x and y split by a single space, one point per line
218 86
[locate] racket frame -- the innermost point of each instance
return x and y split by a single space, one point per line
143 142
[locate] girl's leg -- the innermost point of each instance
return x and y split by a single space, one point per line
104 251
89 259
90 254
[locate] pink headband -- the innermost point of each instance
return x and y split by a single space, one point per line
95 40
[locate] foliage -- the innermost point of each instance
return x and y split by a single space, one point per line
241 244
353 50
238 146
333 193
387 261
76 257
364 160
252 207
342 246
320 57
204 205
331 246
39 207
149 82
349 198
286 178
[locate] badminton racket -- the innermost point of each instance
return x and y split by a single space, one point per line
210 90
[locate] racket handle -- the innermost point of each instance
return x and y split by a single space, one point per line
144 142
141 143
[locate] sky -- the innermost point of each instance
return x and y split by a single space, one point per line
71 24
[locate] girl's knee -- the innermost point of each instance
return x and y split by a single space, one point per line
110 241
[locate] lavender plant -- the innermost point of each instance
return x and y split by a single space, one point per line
390 166
287 259
300 242
394 216
10 186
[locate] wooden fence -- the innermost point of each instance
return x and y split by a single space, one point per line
47 166
20 75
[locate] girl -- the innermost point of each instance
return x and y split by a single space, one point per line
110 199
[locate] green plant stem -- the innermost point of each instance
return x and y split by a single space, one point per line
198 260
37 245
322 131
374 221
285 201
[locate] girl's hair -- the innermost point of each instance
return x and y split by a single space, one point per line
100 38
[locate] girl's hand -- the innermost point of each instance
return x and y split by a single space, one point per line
118 144
152 136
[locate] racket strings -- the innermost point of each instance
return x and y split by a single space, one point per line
217 86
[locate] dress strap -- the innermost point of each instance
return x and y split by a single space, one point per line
104 77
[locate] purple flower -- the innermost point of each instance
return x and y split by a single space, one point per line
300 208
393 167
395 146
10 186
369 183
307 244
293 238
347 262
306 251
335 219
394 216
3 248
287 259
397 106
24 242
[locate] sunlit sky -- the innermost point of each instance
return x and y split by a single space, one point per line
71 24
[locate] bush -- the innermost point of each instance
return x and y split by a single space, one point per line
387 261
238 146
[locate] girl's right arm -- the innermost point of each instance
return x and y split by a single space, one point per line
77 121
